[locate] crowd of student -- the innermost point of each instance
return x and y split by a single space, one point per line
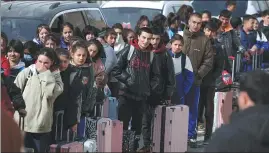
173 60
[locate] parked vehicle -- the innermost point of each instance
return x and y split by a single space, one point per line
21 18
130 11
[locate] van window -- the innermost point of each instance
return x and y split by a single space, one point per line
23 29
95 19
76 19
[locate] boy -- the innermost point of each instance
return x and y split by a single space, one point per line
162 84
264 25
132 71
231 5
208 85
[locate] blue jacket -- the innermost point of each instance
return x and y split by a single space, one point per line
253 38
184 80
63 43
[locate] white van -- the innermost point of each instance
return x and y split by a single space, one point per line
130 11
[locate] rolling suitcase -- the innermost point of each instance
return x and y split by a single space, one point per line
170 130
110 108
223 107
68 146
109 135
104 129
117 136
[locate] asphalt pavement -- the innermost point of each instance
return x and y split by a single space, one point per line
200 147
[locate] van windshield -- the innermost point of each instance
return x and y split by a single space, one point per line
20 28
128 14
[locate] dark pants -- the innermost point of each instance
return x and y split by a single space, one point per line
129 108
114 88
207 101
147 122
38 141
192 100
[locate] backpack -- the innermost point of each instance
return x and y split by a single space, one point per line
131 52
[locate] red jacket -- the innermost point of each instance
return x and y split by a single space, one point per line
5 65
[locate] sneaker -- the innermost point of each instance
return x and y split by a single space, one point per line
145 149
201 128
192 143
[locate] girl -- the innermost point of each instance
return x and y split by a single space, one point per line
183 70
41 32
128 35
62 101
30 50
40 86
172 23
51 41
95 49
90 32
15 54
67 33
82 100
142 22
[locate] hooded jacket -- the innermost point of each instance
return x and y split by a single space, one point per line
15 70
184 78
39 93
134 74
162 75
199 49
81 98
248 131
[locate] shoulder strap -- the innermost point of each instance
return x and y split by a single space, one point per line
130 53
25 83
183 62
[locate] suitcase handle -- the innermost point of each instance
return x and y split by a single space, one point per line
57 114
68 135
21 123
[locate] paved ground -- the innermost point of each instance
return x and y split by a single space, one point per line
199 149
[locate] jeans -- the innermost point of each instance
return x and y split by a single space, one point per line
192 100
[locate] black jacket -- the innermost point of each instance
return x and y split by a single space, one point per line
264 29
62 100
14 93
133 74
248 131
219 64
162 75
81 98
